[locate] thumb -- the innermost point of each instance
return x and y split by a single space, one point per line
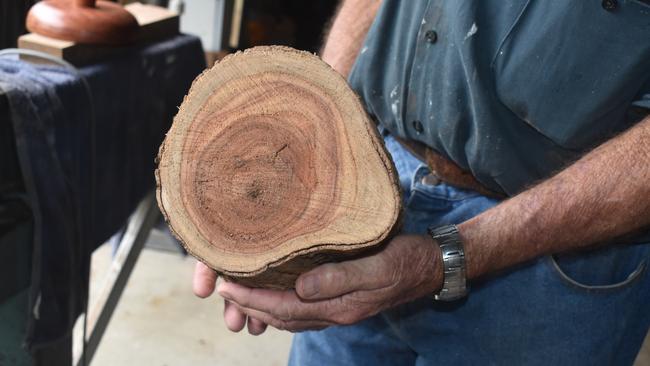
336 279
204 280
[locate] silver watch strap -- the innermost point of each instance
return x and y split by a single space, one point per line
453 261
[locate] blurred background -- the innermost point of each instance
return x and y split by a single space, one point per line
119 263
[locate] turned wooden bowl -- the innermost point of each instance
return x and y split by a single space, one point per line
83 21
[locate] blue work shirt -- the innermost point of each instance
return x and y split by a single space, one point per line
510 90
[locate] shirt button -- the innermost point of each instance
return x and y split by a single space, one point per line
609 5
417 126
431 36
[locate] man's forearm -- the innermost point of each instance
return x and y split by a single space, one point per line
348 31
604 195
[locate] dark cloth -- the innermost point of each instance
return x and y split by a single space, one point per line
85 175
510 90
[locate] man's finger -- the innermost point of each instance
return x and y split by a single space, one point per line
337 279
290 325
204 280
283 305
255 326
233 317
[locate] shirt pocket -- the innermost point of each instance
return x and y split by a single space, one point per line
570 69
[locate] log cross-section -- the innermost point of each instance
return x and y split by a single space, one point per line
272 166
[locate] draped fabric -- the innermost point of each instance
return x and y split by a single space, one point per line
87 159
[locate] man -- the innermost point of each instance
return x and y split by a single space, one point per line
544 103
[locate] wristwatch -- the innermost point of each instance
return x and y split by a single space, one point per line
453 262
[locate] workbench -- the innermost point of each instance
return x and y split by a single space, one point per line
77 153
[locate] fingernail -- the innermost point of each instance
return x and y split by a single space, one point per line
309 286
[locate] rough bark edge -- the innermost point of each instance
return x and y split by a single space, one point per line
282 273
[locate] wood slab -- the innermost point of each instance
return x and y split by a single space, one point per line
272 167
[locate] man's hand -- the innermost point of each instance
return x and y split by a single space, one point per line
204 283
337 293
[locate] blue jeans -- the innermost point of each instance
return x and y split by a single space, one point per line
591 308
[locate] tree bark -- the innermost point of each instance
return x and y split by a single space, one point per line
272 167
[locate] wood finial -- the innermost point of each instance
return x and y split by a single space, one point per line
83 21
272 166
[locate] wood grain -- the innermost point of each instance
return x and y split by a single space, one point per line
272 166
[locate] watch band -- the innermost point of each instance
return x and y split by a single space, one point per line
453 260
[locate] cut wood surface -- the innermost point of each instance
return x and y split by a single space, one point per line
272 167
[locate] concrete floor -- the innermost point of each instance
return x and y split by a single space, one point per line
643 359
159 322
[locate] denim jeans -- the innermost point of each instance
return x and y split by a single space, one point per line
591 308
